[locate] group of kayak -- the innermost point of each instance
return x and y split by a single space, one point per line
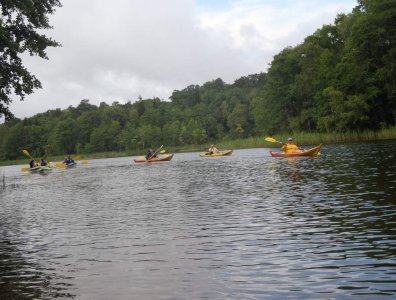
290 149
153 156
44 167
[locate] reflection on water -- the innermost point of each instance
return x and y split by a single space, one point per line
247 226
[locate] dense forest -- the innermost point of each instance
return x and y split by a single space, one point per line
340 78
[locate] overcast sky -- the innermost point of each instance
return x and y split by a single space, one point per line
117 50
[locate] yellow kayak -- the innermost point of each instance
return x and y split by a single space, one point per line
310 152
221 153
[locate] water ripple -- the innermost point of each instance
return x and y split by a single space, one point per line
247 226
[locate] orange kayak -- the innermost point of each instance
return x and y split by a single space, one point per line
155 159
310 152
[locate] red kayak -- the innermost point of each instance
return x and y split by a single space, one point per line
310 152
155 159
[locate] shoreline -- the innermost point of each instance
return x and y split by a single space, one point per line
301 139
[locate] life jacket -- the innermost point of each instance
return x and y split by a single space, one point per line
290 148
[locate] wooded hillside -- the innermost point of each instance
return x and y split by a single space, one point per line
340 78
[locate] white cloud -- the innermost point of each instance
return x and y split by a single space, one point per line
262 25
118 50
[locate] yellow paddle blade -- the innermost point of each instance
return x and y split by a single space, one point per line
162 151
84 162
78 157
26 153
62 166
25 169
270 139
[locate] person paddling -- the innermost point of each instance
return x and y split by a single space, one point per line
43 162
33 164
290 146
68 160
151 154
213 150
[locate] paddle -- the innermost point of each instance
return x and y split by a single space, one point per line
27 154
272 140
156 151
24 151
78 157
62 166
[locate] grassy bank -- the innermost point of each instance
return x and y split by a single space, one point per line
306 139
344 137
303 139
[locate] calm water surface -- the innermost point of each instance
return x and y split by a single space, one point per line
247 226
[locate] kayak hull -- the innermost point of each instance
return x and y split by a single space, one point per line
71 165
41 170
221 153
155 159
310 152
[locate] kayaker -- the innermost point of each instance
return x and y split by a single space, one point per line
68 160
43 162
213 150
150 154
33 164
290 146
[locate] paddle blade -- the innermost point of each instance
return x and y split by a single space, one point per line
271 140
78 157
162 151
25 169
26 153
84 162
62 166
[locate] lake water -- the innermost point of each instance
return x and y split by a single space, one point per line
247 226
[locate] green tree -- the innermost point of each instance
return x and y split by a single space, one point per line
20 23
64 138
13 142
86 123
171 131
149 136
126 140
238 121
105 137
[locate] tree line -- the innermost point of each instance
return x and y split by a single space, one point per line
340 78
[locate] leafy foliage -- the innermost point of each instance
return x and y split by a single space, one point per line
19 23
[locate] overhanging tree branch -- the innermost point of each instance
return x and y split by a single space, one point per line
19 22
